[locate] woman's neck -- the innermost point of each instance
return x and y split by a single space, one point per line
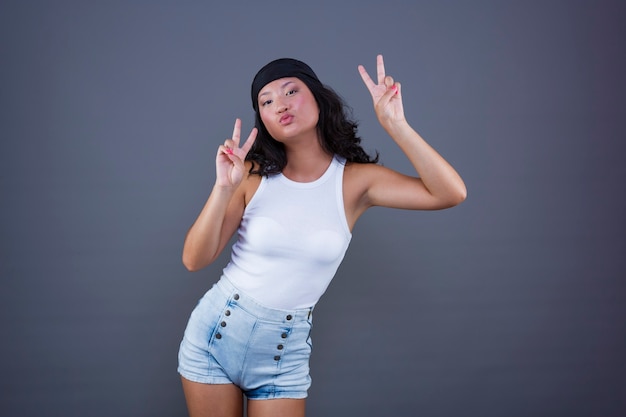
306 164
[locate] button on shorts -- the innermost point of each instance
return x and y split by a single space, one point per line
230 338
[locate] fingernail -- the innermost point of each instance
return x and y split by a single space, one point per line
229 151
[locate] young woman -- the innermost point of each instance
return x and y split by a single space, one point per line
293 192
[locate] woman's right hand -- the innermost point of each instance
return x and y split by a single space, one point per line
229 161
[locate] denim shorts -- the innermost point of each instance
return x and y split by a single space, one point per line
231 339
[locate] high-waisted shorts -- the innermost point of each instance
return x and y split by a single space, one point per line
231 339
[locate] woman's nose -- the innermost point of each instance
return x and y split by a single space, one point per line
281 105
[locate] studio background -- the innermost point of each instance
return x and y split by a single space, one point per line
511 304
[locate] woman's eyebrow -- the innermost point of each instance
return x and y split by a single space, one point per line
282 86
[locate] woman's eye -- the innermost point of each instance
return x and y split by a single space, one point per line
266 102
290 92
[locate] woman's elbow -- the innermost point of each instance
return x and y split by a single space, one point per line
191 267
460 196
193 264
454 199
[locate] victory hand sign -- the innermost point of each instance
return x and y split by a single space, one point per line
386 94
229 160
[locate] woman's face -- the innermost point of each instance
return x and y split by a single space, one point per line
288 109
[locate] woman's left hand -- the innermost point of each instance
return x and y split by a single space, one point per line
386 94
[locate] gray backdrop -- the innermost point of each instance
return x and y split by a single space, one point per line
512 304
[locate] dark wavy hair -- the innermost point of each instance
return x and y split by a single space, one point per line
337 134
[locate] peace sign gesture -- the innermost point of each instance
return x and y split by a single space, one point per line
229 164
386 94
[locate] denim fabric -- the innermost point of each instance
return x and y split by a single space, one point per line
230 338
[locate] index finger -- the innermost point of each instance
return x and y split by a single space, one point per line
237 132
380 69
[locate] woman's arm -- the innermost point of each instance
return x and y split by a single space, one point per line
224 208
438 186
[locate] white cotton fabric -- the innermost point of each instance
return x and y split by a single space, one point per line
291 240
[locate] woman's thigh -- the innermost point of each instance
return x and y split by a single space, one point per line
213 400
284 407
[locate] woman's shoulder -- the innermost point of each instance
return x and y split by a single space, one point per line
359 176
357 169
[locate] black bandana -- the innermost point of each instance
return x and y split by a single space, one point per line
282 68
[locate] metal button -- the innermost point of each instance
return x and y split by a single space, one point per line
280 347
223 324
284 335
218 336
227 313
289 317
276 358
236 296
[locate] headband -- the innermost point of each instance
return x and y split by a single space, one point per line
282 68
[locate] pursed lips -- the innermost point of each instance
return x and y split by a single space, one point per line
285 118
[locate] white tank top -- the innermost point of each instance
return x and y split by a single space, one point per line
291 240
